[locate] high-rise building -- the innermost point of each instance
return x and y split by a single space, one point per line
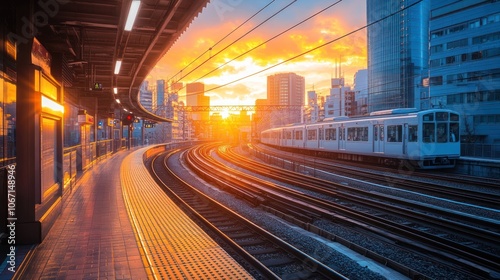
195 96
176 87
335 104
160 95
176 112
311 112
146 96
360 88
286 89
397 52
464 71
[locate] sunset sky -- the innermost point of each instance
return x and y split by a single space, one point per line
220 17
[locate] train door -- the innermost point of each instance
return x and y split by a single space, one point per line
282 138
378 138
342 138
318 135
405 139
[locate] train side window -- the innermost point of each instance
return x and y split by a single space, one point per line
350 134
394 133
331 134
311 134
412 133
381 133
298 135
442 132
428 133
453 117
364 133
357 134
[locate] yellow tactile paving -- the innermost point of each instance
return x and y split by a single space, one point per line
173 246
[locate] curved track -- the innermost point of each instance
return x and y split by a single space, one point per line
272 257
308 208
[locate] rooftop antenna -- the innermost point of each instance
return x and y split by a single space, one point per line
340 67
336 68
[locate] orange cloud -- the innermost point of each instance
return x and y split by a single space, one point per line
196 47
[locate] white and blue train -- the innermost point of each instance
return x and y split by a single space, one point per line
426 139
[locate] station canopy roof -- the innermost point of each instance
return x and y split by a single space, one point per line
90 37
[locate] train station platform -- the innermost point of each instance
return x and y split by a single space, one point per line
118 224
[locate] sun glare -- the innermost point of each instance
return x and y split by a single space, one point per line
225 113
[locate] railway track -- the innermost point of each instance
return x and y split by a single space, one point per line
400 179
482 230
477 261
272 257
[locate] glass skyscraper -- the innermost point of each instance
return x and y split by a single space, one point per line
464 71
397 52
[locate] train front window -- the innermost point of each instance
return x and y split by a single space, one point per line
442 116
428 117
428 133
442 132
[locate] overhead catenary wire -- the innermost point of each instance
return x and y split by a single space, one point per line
270 39
311 50
241 37
223 38
318 47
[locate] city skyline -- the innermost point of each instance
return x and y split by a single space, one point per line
198 45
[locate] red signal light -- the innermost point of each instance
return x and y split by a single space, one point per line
128 119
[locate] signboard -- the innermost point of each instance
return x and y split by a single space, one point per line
97 86
40 56
85 119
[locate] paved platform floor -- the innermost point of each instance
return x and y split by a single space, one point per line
93 237
118 224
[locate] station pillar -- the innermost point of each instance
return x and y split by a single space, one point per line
39 136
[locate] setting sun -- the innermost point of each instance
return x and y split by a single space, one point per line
224 113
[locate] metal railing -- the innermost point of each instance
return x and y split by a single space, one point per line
491 151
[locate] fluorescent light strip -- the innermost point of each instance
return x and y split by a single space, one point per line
118 65
117 101
132 14
115 90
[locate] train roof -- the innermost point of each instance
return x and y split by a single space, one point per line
394 111
400 112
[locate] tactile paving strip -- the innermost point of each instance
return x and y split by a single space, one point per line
173 246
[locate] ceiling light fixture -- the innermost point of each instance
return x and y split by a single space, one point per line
132 14
118 65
